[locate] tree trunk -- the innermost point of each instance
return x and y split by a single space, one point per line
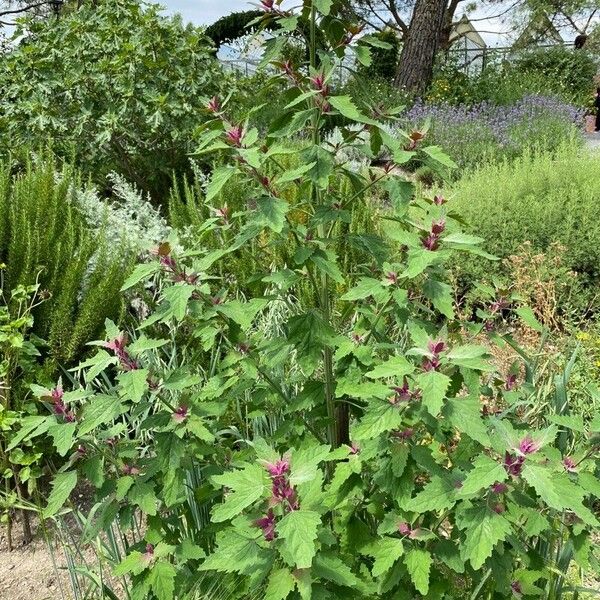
420 46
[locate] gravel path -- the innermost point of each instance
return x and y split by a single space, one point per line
593 140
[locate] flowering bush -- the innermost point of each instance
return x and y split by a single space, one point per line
344 452
474 134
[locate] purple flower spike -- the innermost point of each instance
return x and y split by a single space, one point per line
278 468
569 464
513 464
404 528
181 414
267 524
516 588
499 488
528 446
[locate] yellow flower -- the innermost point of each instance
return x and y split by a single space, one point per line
583 336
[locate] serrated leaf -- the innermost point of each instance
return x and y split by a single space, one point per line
379 418
485 473
162 580
465 415
437 495
133 384
366 286
235 553
305 463
332 568
62 436
433 386
395 366
178 297
484 529
386 551
529 319
558 491
327 263
437 154
418 564
440 295
271 212
281 584
142 494
62 486
133 563
140 272
218 179
298 530
100 410
247 485
345 106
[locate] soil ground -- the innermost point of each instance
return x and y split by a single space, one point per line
28 572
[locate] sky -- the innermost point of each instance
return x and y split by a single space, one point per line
205 12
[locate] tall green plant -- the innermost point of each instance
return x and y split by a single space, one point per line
44 240
384 479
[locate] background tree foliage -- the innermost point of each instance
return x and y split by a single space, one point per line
117 86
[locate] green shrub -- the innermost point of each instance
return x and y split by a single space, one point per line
333 449
113 84
541 198
44 240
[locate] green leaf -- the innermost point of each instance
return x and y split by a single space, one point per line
247 485
134 384
142 494
558 491
437 154
574 422
484 529
99 411
529 319
327 263
62 436
485 473
235 553
386 551
243 313
419 259
140 272
433 387
218 179
346 107
365 287
178 296
281 584
363 54
134 563
298 530
441 296
162 580
379 418
418 563
463 238
62 486
395 367
323 6
271 212
123 486
332 568
293 174
437 495
305 462
465 415
31 427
